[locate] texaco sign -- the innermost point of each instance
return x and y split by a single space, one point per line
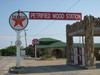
18 20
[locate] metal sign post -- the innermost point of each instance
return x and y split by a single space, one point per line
18 44
35 42
35 52
18 21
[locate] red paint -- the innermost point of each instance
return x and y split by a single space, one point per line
79 56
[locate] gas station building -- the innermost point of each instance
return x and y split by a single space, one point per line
83 55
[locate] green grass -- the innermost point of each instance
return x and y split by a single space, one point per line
0 54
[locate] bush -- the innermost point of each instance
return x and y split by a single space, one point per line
0 54
47 56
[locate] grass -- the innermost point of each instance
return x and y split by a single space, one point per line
0 54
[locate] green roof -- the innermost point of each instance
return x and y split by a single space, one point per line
48 39
58 44
41 46
62 44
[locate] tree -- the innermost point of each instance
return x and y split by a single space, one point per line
11 50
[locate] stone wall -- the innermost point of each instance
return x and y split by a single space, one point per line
49 50
89 41
69 44
88 25
82 24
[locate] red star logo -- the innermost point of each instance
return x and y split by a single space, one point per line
18 21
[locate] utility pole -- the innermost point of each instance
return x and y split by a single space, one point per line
26 39
11 44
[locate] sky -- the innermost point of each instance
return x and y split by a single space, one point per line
43 28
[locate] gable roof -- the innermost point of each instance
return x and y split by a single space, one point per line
58 44
41 46
48 40
62 44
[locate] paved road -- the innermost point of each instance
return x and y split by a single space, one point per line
1 57
34 67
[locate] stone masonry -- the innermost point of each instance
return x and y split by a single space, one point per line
89 27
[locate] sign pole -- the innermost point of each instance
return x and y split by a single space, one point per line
35 42
35 52
18 21
18 51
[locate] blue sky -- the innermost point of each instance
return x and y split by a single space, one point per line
43 28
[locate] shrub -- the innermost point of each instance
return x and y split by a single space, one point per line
47 56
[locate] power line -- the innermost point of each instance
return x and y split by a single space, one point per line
60 33
57 5
55 20
73 5
50 23
45 28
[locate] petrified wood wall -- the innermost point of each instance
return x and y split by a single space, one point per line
88 24
69 45
81 25
89 41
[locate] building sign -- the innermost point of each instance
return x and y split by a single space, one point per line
55 16
18 20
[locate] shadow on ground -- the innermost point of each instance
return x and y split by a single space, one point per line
49 69
97 65
54 68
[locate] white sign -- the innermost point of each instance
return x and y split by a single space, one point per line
23 52
18 20
18 42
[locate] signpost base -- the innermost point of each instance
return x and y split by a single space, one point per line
18 70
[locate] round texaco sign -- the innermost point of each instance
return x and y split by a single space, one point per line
18 20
